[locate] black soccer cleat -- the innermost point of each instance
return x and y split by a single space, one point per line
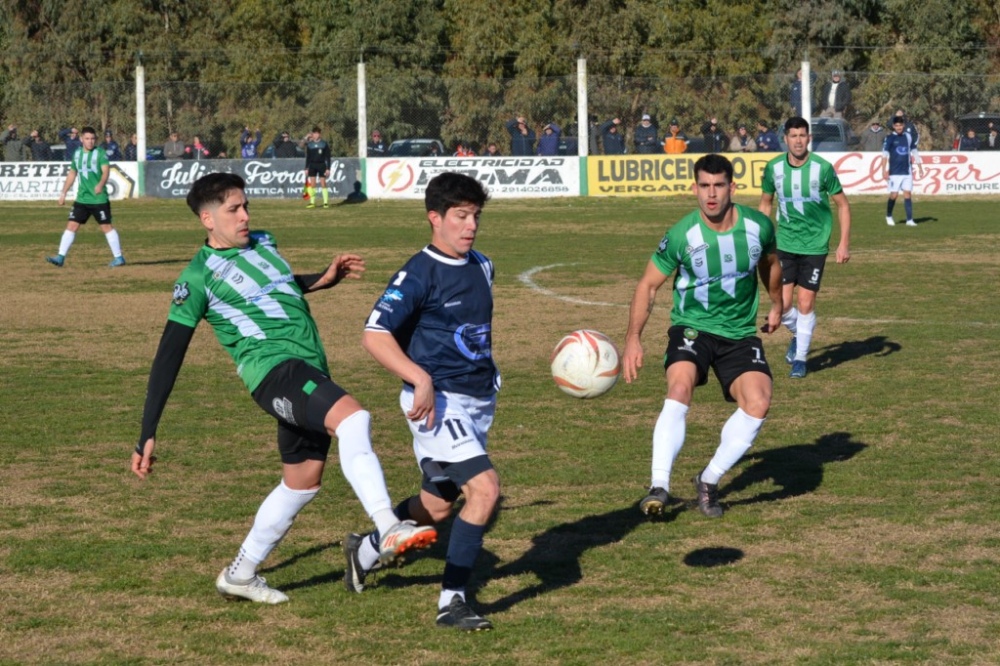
354 573
708 497
655 502
459 615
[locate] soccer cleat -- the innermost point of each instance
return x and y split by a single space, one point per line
404 536
708 497
310 205
459 615
56 260
888 220
354 573
326 205
117 261
798 370
654 503
790 354
911 223
255 589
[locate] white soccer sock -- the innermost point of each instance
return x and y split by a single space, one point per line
804 334
737 438
363 470
668 438
790 319
114 243
368 553
274 518
66 242
446 596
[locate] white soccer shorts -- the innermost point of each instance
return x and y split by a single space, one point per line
460 426
900 183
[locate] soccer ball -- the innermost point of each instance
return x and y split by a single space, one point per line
585 364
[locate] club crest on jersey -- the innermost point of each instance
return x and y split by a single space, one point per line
181 293
755 252
690 334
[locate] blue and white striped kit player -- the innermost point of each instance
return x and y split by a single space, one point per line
900 160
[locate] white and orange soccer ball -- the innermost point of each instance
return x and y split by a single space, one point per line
585 364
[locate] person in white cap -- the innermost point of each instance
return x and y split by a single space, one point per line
646 137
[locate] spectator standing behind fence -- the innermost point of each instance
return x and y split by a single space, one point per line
522 137
377 146
742 142
492 151
593 136
677 142
284 147
612 138
174 148
836 96
647 141
992 141
873 138
767 140
249 142
40 149
14 149
197 150
908 125
970 141
795 92
716 140
111 146
131 152
71 139
90 169
548 142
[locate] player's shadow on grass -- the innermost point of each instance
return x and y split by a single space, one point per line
795 469
554 556
833 355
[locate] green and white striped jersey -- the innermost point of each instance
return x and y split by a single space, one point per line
87 165
804 217
250 298
715 290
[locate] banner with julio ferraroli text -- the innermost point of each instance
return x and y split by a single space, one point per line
266 178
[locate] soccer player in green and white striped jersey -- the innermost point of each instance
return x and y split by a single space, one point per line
804 183
90 168
241 285
717 253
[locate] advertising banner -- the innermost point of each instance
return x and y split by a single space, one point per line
945 173
265 178
43 181
505 177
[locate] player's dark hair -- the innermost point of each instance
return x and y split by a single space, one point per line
86 129
714 164
212 189
449 189
796 122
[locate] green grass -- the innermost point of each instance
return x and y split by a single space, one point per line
861 528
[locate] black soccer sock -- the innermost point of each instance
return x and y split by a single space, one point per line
463 548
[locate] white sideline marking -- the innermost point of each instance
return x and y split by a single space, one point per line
527 278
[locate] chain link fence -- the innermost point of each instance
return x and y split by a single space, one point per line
474 110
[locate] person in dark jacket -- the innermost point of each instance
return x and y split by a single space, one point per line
377 147
647 141
836 96
611 137
716 140
522 137
111 147
548 143
14 148
41 151
284 146
71 138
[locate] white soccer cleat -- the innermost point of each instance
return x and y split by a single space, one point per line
404 536
890 221
255 589
911 223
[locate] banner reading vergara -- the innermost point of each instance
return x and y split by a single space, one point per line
662 175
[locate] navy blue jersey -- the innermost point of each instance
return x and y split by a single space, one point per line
898 149
440 310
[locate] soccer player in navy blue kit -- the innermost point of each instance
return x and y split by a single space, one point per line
432 329
899 152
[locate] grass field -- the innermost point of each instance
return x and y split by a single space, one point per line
862 528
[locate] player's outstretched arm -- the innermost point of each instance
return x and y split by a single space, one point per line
166 366
350 266
638 314
384 349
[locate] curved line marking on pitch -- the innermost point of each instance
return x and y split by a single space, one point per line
527 278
